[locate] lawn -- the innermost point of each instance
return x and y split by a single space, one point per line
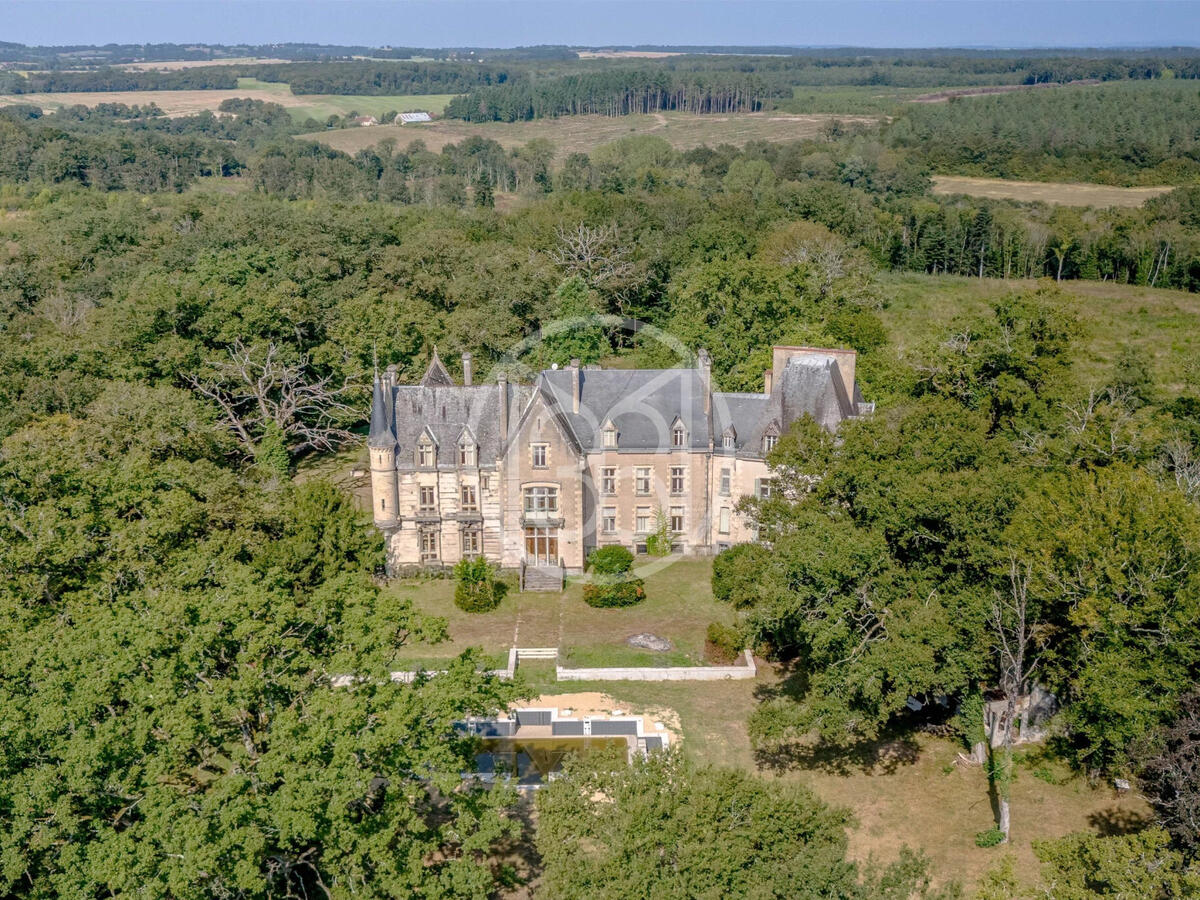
1161 324
679 607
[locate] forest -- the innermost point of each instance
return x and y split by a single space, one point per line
176 602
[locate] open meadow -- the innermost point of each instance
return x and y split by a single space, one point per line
582 134
1164 326
1056 193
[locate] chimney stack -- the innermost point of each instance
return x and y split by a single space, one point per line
704 362
502 388
575 386
466 361
768 381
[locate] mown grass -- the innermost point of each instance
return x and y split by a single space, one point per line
322 106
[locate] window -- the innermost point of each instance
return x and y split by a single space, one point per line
428 500
541 499
425 454
470 541
643 481
538 454
429 545
485 482
678 435
769 442
727 441
469 501
466 454
725 482
608 522
676 479
723 521
609 436
677 519
608 481
382 503
643 520
765 488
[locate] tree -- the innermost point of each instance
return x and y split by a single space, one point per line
475 587
1086 866
663 827
255 388
1170 774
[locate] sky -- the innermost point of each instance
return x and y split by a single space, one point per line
597 23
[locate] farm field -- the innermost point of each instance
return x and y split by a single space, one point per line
184 103
176 65
581 134
1160 324
1052 192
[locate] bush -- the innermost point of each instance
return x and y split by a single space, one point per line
991 838
612 591
723 643
476 589
662 539
610 561
735 574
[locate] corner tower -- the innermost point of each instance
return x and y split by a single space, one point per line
381 443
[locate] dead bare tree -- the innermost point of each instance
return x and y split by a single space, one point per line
64 311
1180 462
594 254
1018 651
256 389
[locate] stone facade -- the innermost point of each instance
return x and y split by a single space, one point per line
542 474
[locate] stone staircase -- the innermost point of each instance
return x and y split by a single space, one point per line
543 578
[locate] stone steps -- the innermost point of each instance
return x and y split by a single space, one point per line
543 578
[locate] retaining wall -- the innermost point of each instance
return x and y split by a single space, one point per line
662 673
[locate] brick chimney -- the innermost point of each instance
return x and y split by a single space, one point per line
466 361
704 362
768 381
575 386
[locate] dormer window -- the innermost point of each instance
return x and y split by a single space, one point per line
678 435
729 439
425 453
769 442
609 436
466 454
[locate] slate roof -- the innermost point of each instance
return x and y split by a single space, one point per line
643 404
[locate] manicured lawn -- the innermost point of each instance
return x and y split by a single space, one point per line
679 607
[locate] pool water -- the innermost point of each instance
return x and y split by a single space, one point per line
534 760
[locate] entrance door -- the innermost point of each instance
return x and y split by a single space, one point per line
541 545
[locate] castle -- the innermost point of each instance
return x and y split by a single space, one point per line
535 476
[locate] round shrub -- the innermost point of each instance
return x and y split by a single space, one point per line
615 560
735 574
614 590
723 642
990 838
475 588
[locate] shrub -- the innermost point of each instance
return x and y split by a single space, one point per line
991 838
610 561
614 590
723 642
735 574
476 589
660 541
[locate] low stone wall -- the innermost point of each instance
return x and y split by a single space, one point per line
662 673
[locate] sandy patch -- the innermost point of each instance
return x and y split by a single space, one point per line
595 703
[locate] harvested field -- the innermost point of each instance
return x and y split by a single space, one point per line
944 95
178 64
628 54
1057 193
582 134
186 103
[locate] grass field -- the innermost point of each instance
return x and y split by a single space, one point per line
583 134
1163 325
184 103
1054 192
679 606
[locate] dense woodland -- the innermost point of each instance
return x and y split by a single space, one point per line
189 307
